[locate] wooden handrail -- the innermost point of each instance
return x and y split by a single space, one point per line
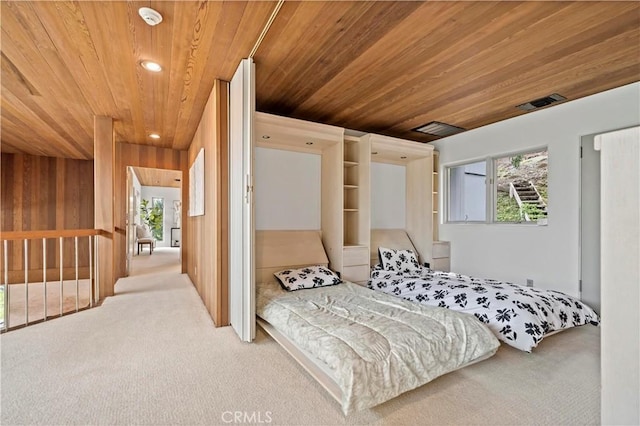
65 233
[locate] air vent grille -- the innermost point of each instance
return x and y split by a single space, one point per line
436 128
542 102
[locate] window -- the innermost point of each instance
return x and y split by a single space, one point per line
158 210
514 185
521 187
468 192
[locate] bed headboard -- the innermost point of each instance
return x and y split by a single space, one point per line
389 238
278 250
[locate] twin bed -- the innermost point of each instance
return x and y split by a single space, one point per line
365 347
519 316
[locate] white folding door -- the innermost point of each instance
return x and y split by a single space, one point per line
241 227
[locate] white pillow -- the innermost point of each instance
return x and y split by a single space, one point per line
307 277
404 261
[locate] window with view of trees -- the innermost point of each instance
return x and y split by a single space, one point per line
515 185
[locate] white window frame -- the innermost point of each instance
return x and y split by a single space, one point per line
447 189
491 188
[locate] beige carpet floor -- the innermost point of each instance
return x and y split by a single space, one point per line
150 355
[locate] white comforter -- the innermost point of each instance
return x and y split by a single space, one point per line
377 346
519 316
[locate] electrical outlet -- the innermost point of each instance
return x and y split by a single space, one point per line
529 282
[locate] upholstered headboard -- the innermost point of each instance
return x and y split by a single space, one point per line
389 238
278 250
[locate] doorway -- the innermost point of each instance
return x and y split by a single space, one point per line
154 216
590 222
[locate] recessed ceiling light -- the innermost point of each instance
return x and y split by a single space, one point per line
151 66
154 136
266 137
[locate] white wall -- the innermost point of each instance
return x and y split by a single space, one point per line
169 195
620 224
287 190
388 196
547 254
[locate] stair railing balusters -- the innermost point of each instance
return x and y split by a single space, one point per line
91 287
6 285
61 272
44 274
26 281
77 274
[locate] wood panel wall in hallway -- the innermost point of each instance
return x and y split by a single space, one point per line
46 193
144 156
207 263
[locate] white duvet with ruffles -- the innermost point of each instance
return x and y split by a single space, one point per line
377 346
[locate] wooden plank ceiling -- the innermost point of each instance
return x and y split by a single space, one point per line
64 61
390 67
384 67
158 177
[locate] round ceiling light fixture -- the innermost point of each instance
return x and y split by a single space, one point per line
151 66
150 16
154 136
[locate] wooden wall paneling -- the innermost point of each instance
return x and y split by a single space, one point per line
120 211
185 247
222 199
104 155
207 256
45 193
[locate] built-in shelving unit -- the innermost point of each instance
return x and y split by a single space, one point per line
351 195
440 252
346 187
356 209
435 196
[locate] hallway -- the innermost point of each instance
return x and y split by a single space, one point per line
163 260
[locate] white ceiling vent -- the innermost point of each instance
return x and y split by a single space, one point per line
150 16
436 128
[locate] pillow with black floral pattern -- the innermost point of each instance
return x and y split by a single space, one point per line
307 277
404 261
